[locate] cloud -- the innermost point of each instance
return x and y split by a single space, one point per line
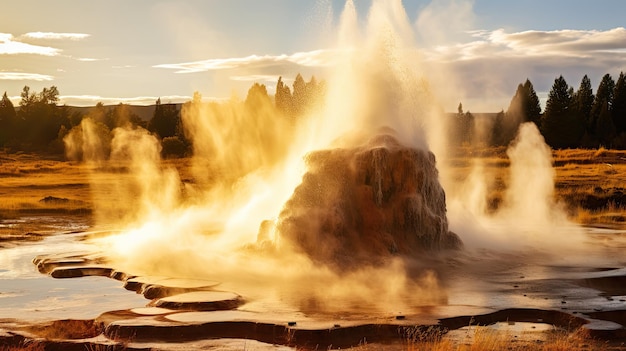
315 58
485 65
489 64
10 46
571 43
25 76
90 59
56 36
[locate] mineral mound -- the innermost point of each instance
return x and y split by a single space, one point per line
360 205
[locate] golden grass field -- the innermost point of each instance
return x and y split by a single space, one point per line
476 339
589 183
27 179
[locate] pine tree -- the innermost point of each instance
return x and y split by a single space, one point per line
558 125
257 97
513 117
299 95
283 98
619 105
604 95
497 131
524 107
40 118
531 106
605 129
8 119
583 101
165 120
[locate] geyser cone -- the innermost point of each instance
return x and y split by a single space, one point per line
360 205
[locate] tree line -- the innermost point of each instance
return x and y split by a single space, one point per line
571 119
40 124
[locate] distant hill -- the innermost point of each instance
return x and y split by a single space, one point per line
145 113
477 115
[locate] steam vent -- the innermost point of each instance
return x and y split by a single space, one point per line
359 205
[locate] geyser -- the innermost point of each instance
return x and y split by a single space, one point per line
359 205
352 223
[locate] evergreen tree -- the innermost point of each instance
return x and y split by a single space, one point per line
99 114
121 115
8 119
604 95
257 97
619 105
283 98
605 129
27 99
559 125
463 131
165 120
39 118
497 132
583 102
530 104
514 116
304 96
313 91
524 106
299 97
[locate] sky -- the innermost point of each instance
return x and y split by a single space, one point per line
136 51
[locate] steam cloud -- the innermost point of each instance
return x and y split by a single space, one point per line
244 169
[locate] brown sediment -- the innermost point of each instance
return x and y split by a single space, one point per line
200 301
533 315
613 285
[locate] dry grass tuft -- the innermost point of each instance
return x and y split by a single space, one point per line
488 339
26 346
68 329
600 152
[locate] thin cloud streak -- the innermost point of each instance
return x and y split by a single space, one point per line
90 59
10 45
315 58
25 76
56 36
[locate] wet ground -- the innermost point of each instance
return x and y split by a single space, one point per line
57 288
